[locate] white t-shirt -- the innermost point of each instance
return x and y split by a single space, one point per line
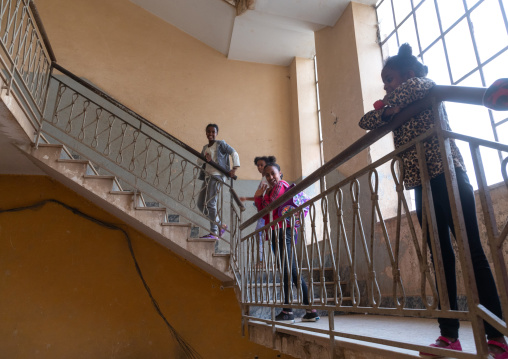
212 151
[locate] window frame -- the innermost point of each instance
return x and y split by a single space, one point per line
442 33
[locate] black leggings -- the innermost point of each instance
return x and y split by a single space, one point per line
487 291
294 273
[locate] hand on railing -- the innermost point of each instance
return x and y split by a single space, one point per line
140 118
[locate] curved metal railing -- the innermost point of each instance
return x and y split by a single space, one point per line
354 259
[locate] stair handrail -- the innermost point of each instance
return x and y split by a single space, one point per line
439 93
140 118
42 31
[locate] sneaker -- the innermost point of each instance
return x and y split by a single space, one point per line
502 346
310 317
285 317
449 345
223 229
209 236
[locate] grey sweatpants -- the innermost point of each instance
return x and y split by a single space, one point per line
207 200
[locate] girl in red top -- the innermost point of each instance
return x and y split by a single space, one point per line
276 188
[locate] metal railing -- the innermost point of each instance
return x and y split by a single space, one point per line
343 249
65 108
337 252
25 57
145 157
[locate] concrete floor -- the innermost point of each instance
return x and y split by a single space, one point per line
409 330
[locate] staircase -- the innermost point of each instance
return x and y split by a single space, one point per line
82 137
101 149
130 207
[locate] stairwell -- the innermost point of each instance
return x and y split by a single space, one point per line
80 136
129 206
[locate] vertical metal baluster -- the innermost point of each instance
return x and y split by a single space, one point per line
81 135
327 241
350 253
399 188
460 233
68 126
373 288
107 148
305 262
9 50
95 131
39 130
496 248
119 156
429 227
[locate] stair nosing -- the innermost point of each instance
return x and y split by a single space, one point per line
55 145
203 240
175 224
150 208
65 160
99 177
121 192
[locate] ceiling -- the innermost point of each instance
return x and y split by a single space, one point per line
273 33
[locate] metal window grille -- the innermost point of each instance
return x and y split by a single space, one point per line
463 42
321 151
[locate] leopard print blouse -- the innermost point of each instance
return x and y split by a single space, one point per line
410 91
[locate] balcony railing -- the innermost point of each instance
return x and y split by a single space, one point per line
353 264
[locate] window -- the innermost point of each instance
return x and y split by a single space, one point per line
463 42
323 183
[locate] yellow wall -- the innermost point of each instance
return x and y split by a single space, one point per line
172 79
304 116
410 270
69 288
340 90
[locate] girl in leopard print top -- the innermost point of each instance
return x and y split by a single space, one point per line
405 82
403 88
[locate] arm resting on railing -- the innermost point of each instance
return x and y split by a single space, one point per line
356 147
467 95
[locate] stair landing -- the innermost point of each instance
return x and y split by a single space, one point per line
300 342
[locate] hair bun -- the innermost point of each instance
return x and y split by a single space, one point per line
405 50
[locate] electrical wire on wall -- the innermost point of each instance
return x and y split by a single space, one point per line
188 350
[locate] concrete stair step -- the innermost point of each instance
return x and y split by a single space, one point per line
131 208
122 199
74 169
98 183
47 152
150 216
